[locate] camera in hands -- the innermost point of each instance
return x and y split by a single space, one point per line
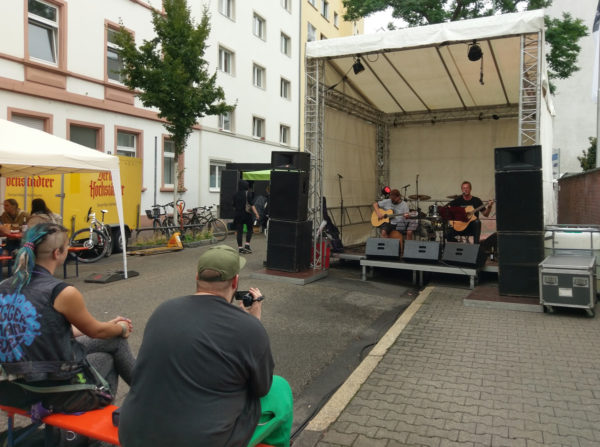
247 298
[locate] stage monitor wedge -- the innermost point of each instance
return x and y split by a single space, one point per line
383 248
421 251
467 255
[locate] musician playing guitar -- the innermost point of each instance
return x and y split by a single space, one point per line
472 206
391 217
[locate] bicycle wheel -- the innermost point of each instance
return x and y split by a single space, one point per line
109 242
218 229
195 226
97 244
157 228
167 226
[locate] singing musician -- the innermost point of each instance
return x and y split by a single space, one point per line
473 228
398 219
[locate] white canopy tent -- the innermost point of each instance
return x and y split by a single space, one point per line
420 106
27 152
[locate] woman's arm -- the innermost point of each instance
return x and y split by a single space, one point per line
70 303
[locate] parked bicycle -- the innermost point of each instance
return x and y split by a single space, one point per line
162 220
201 218
97 239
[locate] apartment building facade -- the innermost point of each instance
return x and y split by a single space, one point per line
58 73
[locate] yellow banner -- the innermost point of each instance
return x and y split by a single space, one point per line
83 191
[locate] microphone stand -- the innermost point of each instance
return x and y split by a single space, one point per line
418 209
341 207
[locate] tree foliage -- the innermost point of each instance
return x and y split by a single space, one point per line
588 159
170 73
562 34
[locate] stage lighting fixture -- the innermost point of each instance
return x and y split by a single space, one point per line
475 52
386 190
358 66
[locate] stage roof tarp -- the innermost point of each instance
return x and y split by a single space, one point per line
425 69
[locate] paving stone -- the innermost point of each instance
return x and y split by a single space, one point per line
335 437
364 441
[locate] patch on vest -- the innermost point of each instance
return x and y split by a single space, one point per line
18 326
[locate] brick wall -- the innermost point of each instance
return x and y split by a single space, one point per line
579 198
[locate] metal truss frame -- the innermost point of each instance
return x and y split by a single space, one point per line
530 89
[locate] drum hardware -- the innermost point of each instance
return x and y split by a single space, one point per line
419 197
453 196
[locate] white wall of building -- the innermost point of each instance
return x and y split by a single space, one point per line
575 118
84 98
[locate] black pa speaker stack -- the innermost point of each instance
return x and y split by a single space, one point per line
519 219
290 234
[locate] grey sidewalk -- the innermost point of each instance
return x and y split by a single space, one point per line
470 376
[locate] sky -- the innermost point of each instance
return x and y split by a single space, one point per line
375 22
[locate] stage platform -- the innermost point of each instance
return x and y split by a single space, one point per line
418 269
301 278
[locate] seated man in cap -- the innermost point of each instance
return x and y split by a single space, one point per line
204 374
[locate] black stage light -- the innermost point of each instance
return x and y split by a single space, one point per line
475 52
358 66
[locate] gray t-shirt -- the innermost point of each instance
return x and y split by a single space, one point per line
201 370
398 208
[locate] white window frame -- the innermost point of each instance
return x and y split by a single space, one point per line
171 156
284 134
127 151
286 44
112 47
226 60
226 122
218 165
336 19
285 89
325 9
227 8
287 5
311 35
52 29
313 2
258 127
259 26
259 76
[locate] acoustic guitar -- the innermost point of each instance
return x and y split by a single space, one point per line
387 215
460 225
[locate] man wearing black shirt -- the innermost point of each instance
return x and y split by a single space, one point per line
204 375
474 226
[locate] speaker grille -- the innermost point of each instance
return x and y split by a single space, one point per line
229 186
288 246
519 254
519 198
289 195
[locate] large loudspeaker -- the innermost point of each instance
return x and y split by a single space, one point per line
470 255
519 254
289 195
520 205
421 251
229 186
289 244
299 161
520 158
379 247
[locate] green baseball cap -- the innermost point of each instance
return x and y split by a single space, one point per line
222 259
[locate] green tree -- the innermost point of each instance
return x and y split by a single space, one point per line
588 159
169 72
562 34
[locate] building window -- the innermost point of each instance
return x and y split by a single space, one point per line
225 60
312 33
216 167
258 76
226 7
258 128
169 163
43 31
85 135
287 5
127 144
226 121
286 45
114 61
30 121
336 19
285 89
313 2
284 135
325 9
259 27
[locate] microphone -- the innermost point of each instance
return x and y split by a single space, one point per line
406 186
340 176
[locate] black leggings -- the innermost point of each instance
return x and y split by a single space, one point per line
239 228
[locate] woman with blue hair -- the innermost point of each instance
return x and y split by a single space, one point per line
48 338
